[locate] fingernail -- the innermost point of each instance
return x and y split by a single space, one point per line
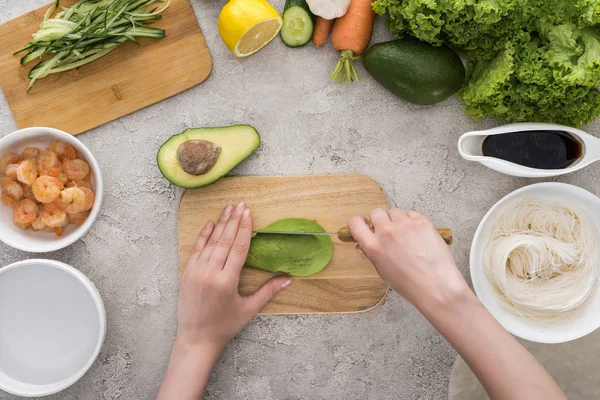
227 210
240 206
208 225
286 283
246 213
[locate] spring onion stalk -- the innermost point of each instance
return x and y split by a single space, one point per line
87 31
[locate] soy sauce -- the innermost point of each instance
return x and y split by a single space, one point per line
534 149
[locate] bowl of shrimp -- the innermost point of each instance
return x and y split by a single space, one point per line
51 189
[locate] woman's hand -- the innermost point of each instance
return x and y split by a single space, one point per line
410 256
413 259
210 309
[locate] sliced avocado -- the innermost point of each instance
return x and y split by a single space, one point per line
207 154
300 255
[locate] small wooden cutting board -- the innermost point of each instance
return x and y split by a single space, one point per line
348 284
127 79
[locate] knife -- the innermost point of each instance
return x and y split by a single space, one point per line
344 234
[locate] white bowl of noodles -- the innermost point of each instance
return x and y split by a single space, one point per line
585 318
41 241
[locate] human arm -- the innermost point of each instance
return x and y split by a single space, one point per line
412 258
210 310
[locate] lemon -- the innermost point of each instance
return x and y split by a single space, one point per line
246 26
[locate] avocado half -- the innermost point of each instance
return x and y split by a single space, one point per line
235 143
299 255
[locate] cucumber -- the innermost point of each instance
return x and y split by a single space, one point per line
298 24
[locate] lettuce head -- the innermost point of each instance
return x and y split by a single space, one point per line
531 60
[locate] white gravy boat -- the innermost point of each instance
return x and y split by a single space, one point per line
470 148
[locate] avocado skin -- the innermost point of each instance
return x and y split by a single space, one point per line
237 142
415 71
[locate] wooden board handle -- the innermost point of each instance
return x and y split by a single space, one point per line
445 233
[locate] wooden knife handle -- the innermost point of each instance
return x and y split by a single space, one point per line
446 234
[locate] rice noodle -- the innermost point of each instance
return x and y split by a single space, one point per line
542 260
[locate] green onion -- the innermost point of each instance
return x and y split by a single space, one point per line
86 31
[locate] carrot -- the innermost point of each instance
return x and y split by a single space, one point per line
351 35
322 31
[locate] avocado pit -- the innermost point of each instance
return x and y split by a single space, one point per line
197 157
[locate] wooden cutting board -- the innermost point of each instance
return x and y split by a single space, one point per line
348 284
126 80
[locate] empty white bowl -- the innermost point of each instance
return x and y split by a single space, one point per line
584 320
52 326
39 242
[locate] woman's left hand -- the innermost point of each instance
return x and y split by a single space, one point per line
210 309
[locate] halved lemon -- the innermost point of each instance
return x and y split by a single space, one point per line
246 26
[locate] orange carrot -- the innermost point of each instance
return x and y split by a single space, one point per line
351 35
322 31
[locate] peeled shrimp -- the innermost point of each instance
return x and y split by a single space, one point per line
73 200
53 216
63 150
7 159
62 177
48 163
8 200
30 152
11 171
79 218
80 184
9 187
27 171
25 212
5 181
23 226
46 189
76 169
28 193
89 198
34 186
38 224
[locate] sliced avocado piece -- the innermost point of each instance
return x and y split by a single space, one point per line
300 255
201 156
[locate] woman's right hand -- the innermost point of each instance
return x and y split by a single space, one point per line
411 257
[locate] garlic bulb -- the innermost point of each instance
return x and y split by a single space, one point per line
328 9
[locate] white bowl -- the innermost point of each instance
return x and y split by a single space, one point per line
583 321
52 326
40 242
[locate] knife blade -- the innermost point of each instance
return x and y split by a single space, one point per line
305 233
345 236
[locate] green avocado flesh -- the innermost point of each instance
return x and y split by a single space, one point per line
415 71
236 143
300 255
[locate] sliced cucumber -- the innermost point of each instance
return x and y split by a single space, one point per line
297 27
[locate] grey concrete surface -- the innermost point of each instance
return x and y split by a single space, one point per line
308 126
574 366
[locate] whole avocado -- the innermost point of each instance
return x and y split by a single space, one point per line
415 71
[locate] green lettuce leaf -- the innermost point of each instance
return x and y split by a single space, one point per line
552 77
531 60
